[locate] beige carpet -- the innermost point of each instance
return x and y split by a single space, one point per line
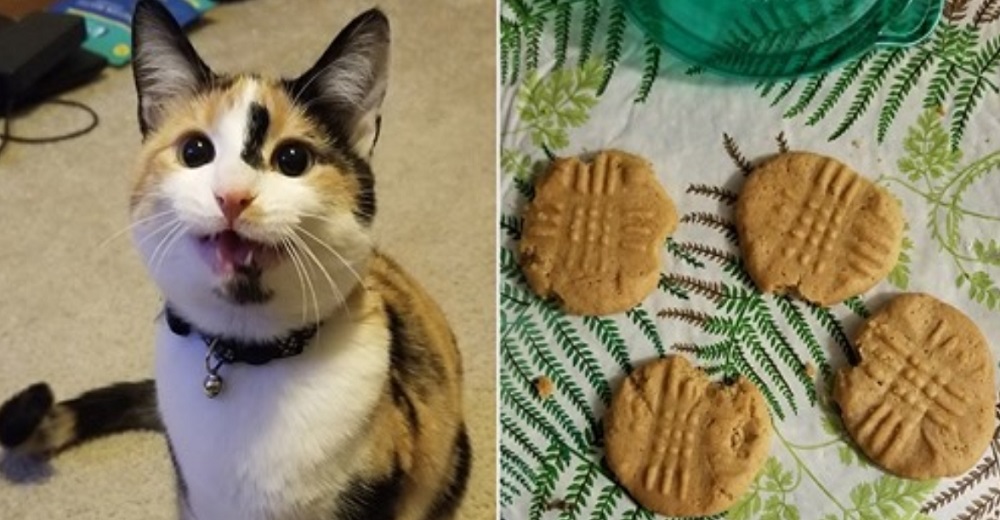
80 316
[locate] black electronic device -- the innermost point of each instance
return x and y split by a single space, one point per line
40 56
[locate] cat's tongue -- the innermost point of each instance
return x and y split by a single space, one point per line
233 250
228 251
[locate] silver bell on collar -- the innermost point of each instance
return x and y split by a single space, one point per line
213 381
212 384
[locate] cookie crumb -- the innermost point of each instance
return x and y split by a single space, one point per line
941 110
810 370
543 387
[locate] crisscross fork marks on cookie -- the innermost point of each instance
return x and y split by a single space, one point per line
817 227
636 229
865 255
926 392
593 228
591 221
670 464
550 220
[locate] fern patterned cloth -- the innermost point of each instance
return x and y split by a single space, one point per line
922 122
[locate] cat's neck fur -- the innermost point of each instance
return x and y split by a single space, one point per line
264 321
252 452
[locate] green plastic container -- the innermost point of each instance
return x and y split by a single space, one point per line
775 39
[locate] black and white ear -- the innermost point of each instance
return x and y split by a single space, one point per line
166 66
345 88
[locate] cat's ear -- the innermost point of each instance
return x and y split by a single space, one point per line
345 88
166 66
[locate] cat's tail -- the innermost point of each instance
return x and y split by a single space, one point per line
32 422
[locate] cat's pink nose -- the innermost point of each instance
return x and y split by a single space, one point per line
232 203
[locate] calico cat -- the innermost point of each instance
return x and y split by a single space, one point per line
300 373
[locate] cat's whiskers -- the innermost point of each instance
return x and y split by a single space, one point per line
324 218
157 231
321 218
309 280
163 233
132 226
303 247
178 234
283 246
303 278
166 237
335 253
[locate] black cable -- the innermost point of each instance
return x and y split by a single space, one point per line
6 127
6 131
7 137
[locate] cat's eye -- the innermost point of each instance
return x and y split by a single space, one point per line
196 150
292 158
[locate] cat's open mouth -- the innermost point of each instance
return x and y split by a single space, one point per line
228 252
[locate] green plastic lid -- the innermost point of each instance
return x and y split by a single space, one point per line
776 39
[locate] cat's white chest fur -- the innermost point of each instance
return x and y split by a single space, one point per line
281 439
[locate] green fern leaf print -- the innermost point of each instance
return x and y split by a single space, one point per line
512 225
890 497
533 27
766 498
606 331
900 274
579 491
568 339
929 153
551 105
516 163
847 77
931 168
551 367
982 288
904 83
971 89
564 13
513 432
641 318
590 19
556 459
807 95
614 42
880 69
953 67
650 69
606 502
786 88
956 47
552 408
510 51
520 471
514 397
794 316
